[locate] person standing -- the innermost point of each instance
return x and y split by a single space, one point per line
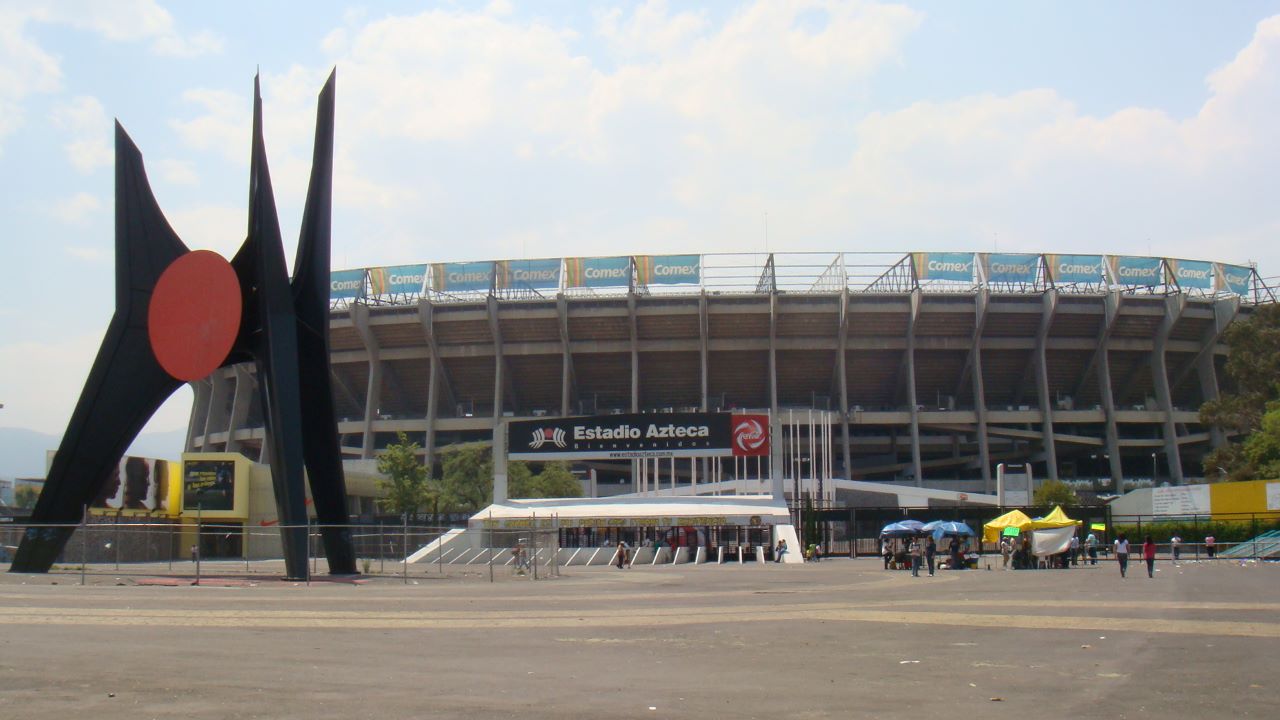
1091 542
1175 543
1122 553
1149 554
930 549
1006 549
915 557
780 550
622 555
887 550
957 561
1210 546
1075 549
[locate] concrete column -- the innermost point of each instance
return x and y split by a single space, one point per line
773 353
500 461
245 385
1109 411
777 483
498 362
566 357
1050 303
635 354
201 390
917 465
215 419
842 346
1174 305
373 397
1224 311
429 442
704 332
980 302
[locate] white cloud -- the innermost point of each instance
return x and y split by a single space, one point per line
78 209
90 129
177 172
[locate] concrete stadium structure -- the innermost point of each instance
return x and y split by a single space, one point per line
924 381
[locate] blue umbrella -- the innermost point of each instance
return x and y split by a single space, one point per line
906 528
943 528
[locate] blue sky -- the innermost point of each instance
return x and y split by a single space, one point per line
489 130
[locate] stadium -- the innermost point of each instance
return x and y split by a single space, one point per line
924 370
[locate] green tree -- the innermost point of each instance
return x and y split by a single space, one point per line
1055 492
1252 382
1261 450
405 480
556 480
521 482
466 483
25 496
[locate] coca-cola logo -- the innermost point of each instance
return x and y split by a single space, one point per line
750 436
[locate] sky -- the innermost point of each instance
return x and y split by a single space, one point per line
472 131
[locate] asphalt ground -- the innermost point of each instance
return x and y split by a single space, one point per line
839 639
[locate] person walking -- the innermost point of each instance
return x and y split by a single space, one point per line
930 549
622 555
1091 543
1006 549
1149 554
1175 543
1122 553
1210 546
915 557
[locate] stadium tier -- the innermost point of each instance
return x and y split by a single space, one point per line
930 368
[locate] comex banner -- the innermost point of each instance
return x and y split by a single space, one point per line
402 279
1010 268
346 284
1234 278
462 277
1190 273
646 435
528 274
668 269
1136 271
1075 268
943 266
598 272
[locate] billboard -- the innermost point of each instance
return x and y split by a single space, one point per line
398 280
462 277
528 274
1190 273
1075 268
138 484
943 266
646 435
1136 271
1011 268
1234 278
346 284
209 485
597 272
668 269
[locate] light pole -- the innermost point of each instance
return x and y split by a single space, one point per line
1153 469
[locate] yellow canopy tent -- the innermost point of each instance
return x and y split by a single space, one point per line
1014 518
1055 519
1018 519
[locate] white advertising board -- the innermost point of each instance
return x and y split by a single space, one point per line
1273 496
1185 500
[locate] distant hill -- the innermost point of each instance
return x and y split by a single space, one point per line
22 451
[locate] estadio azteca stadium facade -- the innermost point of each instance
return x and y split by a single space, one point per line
926 368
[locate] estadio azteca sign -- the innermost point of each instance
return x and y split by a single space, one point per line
639 436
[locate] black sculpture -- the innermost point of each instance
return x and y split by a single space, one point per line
181 314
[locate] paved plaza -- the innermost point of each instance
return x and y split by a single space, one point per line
838 639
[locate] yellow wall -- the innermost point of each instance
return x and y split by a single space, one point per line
1240 497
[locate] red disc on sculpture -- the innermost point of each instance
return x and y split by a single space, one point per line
194 315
